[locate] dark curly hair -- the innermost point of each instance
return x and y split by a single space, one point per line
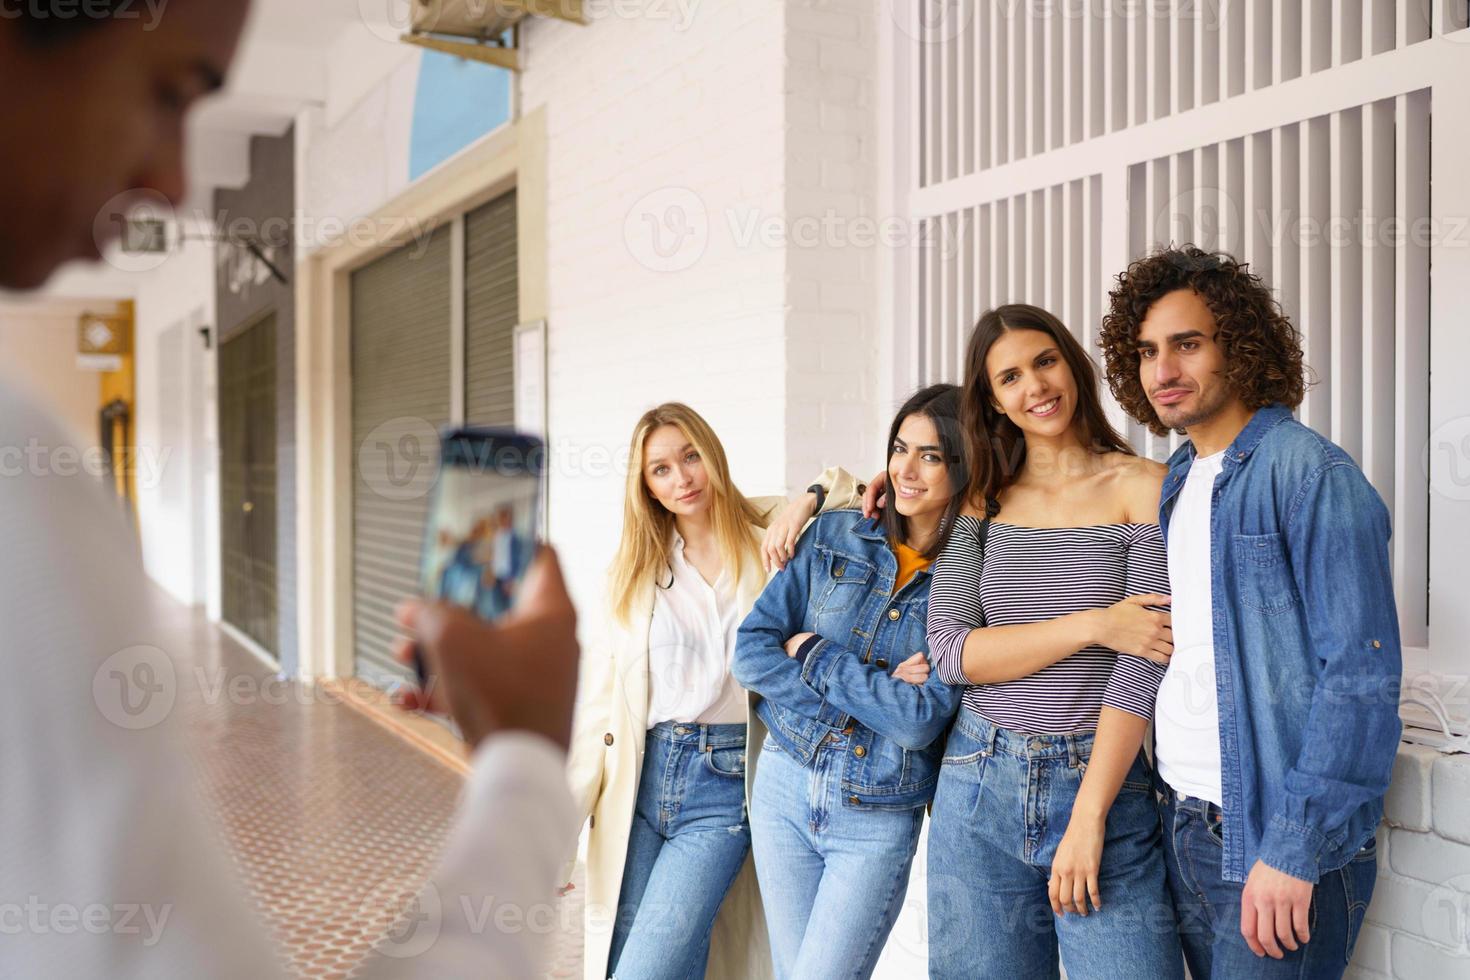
1263 350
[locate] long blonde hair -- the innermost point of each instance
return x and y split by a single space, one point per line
648 527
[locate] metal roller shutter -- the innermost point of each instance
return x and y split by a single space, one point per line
400 397
492 307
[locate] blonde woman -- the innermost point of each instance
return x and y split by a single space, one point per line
658 758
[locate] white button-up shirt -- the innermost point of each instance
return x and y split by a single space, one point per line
691 643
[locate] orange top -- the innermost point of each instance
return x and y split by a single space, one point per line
909 562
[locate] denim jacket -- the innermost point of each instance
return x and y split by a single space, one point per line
1307 659
839 585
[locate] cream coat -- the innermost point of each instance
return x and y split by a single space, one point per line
606 760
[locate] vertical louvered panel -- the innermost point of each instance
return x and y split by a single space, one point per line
1347 269
1311 205
1411 368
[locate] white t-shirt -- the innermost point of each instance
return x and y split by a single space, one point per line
691 644
1186 715
110 866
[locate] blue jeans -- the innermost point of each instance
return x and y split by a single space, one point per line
688 842
1209 906
1003 803
833 877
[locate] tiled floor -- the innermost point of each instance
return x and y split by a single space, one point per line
332 820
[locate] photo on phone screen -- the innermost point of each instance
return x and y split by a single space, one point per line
481 532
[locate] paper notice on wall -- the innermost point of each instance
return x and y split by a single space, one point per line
530 377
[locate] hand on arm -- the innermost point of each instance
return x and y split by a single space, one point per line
876 495
915 670
1005 653
1074 870
779 544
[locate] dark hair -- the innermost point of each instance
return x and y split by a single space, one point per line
1262 350
42 28
940 404
997 447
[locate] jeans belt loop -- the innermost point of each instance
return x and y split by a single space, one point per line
989 749
704 738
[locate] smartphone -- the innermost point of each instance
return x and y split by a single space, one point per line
481 533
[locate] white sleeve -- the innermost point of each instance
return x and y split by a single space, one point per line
489 910
109 865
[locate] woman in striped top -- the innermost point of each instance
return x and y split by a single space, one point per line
1048 613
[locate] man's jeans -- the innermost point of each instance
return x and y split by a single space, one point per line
688 842
833 877
1003 804
1209 906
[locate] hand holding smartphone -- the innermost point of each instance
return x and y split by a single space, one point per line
481 532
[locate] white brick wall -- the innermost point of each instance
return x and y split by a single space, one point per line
745 121
1418 924
831 175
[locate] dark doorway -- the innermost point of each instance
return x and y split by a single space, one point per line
247 436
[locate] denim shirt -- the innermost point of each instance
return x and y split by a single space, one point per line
1307 659
839 585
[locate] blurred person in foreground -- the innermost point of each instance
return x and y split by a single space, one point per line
107 866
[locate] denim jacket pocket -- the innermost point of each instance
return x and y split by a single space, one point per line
1264 571
843 581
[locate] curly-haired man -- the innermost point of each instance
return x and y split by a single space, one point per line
1277 723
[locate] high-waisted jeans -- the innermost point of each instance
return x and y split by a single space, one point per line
689 840
1002 806
833 877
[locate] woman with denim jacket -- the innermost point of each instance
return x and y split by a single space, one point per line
657 757
1044 843
834 654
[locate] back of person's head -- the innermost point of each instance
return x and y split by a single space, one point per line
96 95
46 24
941 405
997 446
648 526
1261 348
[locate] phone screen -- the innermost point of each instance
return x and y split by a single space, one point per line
481 534
482 528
